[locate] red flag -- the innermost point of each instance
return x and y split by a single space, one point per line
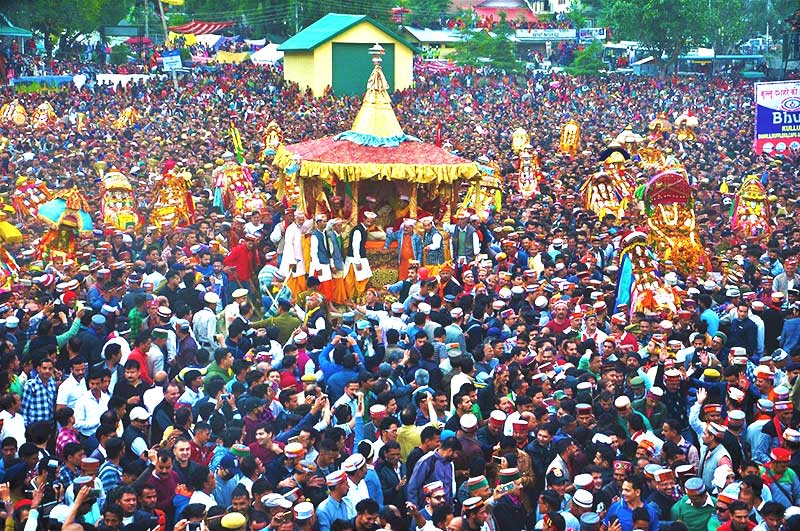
439 134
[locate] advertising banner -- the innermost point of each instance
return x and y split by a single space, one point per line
777 117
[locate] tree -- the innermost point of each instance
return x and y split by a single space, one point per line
588 62
479 47
62 21
664 28
426 13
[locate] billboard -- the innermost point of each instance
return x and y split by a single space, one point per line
777 117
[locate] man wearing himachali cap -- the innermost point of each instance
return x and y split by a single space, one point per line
356 266
336 506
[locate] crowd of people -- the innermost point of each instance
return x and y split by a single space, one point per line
162 380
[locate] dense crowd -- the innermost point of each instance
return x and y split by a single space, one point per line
162 380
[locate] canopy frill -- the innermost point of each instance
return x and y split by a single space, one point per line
374 148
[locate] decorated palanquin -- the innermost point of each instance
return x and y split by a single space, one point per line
13 113
530 174
28 196
9 234
639 284
651 158
659 126
173 204
68 218
128 117
118 206
685 124
44 117
750 213
233 188
605 193
273 137
483 195
569 142
669 206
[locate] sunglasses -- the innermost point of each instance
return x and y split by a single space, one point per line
722 509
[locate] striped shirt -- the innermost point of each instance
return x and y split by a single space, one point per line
110 474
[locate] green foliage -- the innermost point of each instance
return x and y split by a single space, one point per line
578 14
425 13
662 27
479 47
588 62
119 54
61 21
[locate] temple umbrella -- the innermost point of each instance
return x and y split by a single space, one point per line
68 210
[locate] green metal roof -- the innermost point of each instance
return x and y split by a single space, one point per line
10 30
329 27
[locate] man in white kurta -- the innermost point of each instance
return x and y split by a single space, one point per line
293 266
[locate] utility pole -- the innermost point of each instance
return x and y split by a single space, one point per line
297 16
146 19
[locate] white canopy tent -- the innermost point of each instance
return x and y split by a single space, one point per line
269 54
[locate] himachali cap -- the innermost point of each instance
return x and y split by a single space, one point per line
304 510
736 394
431 488
583 409
694 486
473 504
164 311
712 408
211 298
583 498
335 478
477 483
762 371
506 475
240 450
497 418
469 422
293 450
589 520
583 481
672 375
765 405
648 445
730 493
353 463
273 500
791 435
377 411
716 430
781 392
684 471
623 465
780 455
519 426
736 414
663 474
90 465
622 402
784 405
655 393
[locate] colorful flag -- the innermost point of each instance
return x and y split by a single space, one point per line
237 143
173 2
